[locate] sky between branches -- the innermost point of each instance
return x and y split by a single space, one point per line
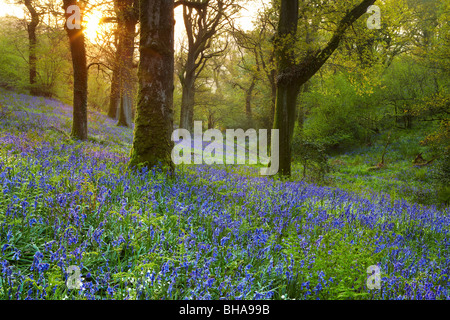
244 20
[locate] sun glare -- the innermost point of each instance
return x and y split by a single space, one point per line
10 9
92 25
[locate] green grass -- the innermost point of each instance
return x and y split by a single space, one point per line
399 178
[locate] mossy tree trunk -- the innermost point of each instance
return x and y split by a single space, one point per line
152 144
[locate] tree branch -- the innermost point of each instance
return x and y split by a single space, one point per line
303 71
191 4
98 64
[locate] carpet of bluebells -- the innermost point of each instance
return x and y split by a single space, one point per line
209 232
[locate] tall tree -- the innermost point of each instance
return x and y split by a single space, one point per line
127 18
122 83
114 96
31 29
203 20
152 144
292 74
80 75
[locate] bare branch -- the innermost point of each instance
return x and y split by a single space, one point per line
191 4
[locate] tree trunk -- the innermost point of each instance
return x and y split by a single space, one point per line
126 105
248 100
287 92
202 20
188 96
80 76
152 144
273 100
211 121
301 110
114 97
31 29
284 122
292 76
127 25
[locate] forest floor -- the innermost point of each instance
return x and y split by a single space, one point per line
211 232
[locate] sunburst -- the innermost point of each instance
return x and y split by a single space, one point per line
92 25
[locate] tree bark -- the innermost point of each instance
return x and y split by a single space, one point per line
122 83
80 76
152 144
248 99
287 92
128 18
188 95
273 100
31 29
126 105
301 110
114 97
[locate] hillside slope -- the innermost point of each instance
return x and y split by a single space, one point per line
207 233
